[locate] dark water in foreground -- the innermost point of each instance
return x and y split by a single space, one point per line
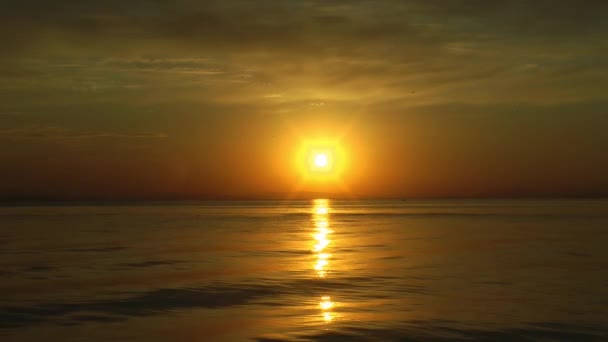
310 271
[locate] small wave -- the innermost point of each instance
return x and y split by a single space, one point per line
450 331
96 249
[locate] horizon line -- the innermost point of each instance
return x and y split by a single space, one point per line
32 200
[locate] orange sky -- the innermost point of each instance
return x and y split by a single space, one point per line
426 99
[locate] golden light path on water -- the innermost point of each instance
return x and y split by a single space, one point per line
320 216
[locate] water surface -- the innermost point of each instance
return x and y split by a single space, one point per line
306 271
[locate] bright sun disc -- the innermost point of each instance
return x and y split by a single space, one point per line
321 160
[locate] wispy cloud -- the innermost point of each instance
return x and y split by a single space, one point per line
54 132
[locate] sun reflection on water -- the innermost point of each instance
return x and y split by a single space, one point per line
321 242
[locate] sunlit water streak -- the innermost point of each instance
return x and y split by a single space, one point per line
319 271
321 237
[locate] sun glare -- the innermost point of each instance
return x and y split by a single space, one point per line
321 160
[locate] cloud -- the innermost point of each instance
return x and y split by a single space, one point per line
351 48
527 19
297 26
57 133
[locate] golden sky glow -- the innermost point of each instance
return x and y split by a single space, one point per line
232 99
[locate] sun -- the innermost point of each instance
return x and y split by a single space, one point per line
321 160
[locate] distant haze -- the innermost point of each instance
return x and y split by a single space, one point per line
212 99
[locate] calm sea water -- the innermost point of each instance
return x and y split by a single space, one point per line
306 271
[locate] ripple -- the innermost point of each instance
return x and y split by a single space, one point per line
432 331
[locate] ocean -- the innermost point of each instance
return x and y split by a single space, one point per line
321 270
